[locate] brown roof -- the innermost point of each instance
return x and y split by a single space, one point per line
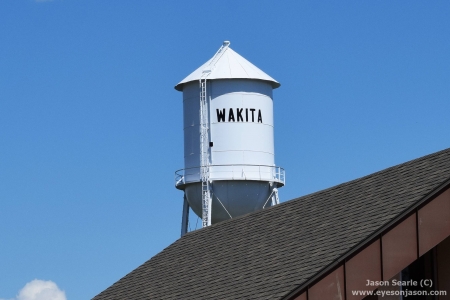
270 253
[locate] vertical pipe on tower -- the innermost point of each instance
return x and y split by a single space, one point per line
185 216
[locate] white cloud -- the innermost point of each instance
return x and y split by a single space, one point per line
40 290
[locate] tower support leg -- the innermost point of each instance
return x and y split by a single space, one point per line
275 199
185 216
207 206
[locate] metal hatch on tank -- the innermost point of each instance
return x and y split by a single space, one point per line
229 164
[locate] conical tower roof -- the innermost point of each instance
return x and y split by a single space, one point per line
228 65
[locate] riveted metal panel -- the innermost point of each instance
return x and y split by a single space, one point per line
399 247
237 140
443 266
434 222
302 297
235 195
244 140
191 125
364 266
330 287
389 290
229 65
241 150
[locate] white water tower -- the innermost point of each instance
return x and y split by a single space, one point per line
229 164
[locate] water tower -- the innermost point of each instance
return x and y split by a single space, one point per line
229 164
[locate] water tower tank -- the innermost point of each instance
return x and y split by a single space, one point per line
238 140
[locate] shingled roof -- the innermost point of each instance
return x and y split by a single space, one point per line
270 253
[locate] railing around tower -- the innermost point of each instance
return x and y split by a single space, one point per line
232 172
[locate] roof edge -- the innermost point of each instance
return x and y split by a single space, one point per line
274 84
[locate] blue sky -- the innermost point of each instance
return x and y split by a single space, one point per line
91 126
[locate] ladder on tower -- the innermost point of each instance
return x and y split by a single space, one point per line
204 156
204 138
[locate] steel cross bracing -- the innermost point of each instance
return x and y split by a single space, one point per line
204 138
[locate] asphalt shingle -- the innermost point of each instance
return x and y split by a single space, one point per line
265 255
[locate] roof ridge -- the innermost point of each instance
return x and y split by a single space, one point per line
426 157
295 200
